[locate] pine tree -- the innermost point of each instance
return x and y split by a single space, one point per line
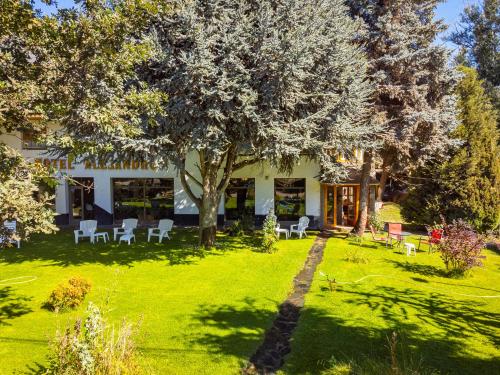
413 84
246 82
467 185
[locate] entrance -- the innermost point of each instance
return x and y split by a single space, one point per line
81 197
340 205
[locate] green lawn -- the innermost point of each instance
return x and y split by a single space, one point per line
439 327
391 213
201 313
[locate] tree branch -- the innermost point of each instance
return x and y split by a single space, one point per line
185 185
195 180
231 156
244 163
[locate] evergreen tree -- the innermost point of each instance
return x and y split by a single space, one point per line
413 85
247 81
467 185
479 36
479 39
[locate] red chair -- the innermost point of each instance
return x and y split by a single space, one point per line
434 237
394 232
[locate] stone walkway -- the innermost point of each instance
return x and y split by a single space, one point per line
269 357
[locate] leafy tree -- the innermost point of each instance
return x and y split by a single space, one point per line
246 82
468 184
21 198
413 85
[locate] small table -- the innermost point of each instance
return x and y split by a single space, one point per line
400 237
127 237
103 235
282 230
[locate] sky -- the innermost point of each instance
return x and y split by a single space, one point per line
449 10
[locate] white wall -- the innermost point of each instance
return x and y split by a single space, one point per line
264 182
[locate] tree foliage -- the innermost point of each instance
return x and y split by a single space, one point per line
413 83
21 198
467 185
21 96
234 82
479 36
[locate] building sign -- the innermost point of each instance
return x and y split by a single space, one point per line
68 164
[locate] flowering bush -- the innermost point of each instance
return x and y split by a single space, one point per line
68 296
94 348
461 247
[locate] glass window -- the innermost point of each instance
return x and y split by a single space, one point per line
239 198
147 199
29 142
289 198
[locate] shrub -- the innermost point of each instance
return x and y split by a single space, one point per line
94 348
375 222
269 237
461 247
354 256
68 296
241 226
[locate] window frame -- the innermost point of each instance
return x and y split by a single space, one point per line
30 144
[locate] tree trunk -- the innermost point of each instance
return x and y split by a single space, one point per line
208 220
364 193
383 180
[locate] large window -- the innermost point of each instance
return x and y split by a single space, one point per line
289 198
147 199
240 198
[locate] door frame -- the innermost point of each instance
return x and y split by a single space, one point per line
325 188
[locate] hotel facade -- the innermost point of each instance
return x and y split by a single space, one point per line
111 192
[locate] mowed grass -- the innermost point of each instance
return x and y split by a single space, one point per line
200 312
440 325
391 213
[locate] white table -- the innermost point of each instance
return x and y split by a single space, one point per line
103 235
282 230
127 237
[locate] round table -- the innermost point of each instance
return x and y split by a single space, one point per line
400 236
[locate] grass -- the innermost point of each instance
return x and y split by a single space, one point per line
439 328
201 312
391 213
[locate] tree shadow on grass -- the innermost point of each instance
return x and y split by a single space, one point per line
434 338
12 306
416 268
434 334
235 330
59 249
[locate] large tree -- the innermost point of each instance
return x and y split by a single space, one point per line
21 96
413 85
247 81
467 184
479 35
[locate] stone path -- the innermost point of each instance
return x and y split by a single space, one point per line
269 357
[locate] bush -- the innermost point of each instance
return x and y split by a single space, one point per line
269 237
94 348
375 222
461 247
68 296
241 226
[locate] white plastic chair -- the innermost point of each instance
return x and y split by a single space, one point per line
301 227
11 226
128 226
87 229
164 226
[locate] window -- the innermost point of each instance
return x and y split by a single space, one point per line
29 141
147 199
289 198
240 198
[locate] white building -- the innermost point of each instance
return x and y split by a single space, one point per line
111 192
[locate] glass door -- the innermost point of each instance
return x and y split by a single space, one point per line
346 198
81 196
77 213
